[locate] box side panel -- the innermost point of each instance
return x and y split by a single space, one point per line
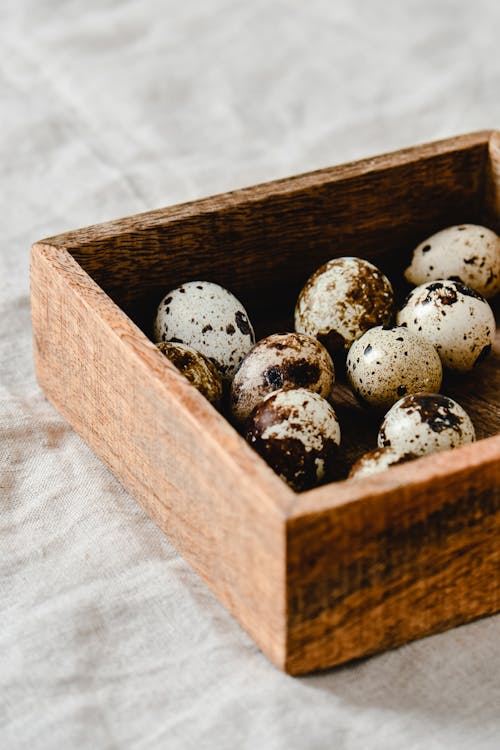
492 184
272 237
156 439
400 564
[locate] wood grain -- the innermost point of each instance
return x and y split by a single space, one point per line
271 237
374 563
195 476
346 569
492 196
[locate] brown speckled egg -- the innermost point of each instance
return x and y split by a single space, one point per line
342 300
282 360
468 253
387 363
378 460
425 423
452 317
297 432
208 318
196 368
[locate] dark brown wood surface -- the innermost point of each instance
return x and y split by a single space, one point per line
264 241
337 572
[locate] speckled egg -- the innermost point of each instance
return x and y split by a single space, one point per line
425 423
196 368
468 253
208 318
342 300
452 317
282 360
297 432
387 363
378 460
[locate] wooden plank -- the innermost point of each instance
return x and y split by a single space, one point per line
492 187
374 563
199 481
271 237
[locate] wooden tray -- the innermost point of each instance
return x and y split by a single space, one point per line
328 575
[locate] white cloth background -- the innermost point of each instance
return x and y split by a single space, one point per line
107 637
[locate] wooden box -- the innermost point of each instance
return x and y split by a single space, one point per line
338 572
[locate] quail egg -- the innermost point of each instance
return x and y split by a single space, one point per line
287 360
468 253
387 363
208 318
424 423
342 300
452 317
378 460
297 432
196 368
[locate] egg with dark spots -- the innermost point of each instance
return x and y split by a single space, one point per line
378 460
467 252
196 368
282 360
342 300
425 423
208 318
453 318
297 432
387 363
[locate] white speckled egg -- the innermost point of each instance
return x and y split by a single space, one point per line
452 317
468 253
297 432
387 363
208 318
424 423
282 360
196 368
378 460
342 300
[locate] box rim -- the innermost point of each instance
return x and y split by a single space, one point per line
434 466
